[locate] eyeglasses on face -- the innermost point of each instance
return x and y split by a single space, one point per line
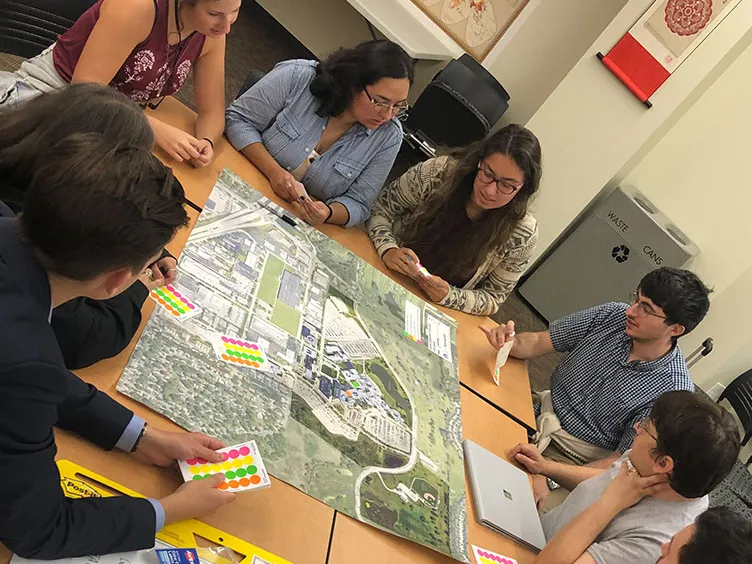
381 105
643 308
506 186
644 426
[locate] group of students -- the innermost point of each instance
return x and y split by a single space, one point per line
88 210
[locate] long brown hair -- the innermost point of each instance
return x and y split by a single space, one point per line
454 255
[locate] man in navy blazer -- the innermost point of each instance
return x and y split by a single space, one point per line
96 214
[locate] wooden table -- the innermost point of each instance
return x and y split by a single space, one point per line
283 508
354 541
477 357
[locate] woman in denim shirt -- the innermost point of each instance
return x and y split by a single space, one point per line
328 129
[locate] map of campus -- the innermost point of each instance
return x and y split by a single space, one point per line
356 401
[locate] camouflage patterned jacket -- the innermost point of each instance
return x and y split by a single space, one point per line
497 275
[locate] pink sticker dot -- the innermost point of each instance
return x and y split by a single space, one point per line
223 455
234 341
246 345
233 453
190 306
170 288
244 451
177 294
225 339
200 460
191 461
255 347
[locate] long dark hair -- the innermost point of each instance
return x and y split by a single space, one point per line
344 73
27 132
454 255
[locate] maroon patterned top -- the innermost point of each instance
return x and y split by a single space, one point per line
154 69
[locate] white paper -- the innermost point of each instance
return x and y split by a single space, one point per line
439 337
413 314
501 359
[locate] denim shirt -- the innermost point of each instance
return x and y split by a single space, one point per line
280 112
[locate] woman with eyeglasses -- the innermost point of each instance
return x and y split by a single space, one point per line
325 134
144 49
459 225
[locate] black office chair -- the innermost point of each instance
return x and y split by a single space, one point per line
739 395
460 105
27 28
253 77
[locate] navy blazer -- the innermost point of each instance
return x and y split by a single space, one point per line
37 392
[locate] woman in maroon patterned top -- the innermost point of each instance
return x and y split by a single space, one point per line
145 49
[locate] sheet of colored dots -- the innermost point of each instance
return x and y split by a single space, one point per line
241 466
240 352
483 556
175 302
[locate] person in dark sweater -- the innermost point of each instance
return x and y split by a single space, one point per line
87 330
96 213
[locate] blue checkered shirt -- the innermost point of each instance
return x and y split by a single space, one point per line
597 395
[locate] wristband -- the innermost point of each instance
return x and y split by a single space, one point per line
552 485
140 436
331 211
209 140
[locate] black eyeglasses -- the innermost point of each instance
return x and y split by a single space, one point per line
642 307
397 110
504 185
644 426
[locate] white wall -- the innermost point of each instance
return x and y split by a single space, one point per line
698 175
544 50
591 126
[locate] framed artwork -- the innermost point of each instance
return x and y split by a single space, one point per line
476 25
661 41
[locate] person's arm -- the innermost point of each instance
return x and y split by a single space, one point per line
531 345
209 84
120 27
36 520
251 114
91 330
567 475
575 543
604 463
486 298
399 198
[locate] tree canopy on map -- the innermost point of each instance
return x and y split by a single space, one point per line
353 411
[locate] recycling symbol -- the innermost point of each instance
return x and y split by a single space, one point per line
620 253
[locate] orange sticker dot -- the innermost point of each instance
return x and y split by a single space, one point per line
225 357
161 301
245 482
173 312
255 479
233 483
223 486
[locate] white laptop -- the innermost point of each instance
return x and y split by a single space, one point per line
503 497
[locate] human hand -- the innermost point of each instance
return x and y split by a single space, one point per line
195 499
404 261
284 184
178 144
434 286
540 490
165 268
163 447
316 213
629 487
528 455
150 280
205 153
499 335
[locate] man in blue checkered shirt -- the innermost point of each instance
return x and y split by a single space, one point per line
619 359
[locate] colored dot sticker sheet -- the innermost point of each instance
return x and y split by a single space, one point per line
239 352
241 464
483 556
175 302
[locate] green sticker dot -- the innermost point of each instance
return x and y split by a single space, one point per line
245 356
198 477
180 310
207 476
240 473
230 475
252 470
261 360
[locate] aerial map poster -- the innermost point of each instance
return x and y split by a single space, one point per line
347 382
